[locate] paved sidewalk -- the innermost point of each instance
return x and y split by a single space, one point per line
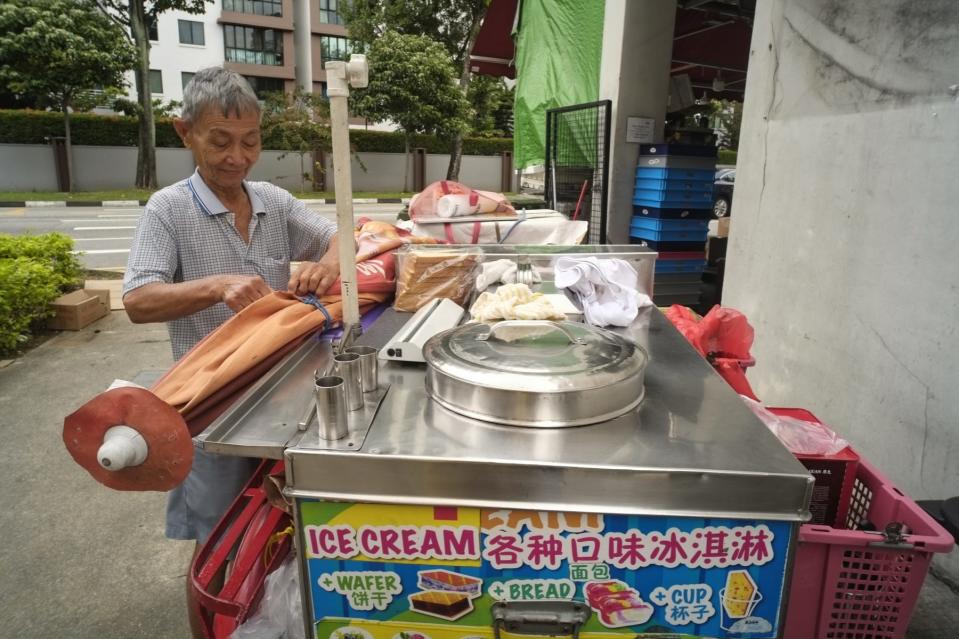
81 561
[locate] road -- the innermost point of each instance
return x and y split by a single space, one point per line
103 235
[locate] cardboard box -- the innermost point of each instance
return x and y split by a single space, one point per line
835 477
78 309
722 229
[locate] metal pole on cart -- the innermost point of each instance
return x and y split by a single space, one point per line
340 76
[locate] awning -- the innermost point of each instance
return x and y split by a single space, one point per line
711 44
494 51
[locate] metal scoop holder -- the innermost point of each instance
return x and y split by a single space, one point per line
368 366
347 366
330 394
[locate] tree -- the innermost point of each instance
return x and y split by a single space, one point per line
453 23
412 83
60 51
492 103
299 122
134 16
727 117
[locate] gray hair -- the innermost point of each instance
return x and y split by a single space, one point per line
226 91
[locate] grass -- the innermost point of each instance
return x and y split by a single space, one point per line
79 196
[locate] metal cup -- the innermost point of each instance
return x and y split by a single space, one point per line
330 394
368 367
347 366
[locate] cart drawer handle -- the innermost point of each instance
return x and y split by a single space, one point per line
553 618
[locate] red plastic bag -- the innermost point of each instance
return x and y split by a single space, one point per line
724 337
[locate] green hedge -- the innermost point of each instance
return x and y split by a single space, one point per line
52 250
34 127
727 156
34 270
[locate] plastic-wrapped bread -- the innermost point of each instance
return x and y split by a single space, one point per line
425 275
513 301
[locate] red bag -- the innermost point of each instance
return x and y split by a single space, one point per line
724 337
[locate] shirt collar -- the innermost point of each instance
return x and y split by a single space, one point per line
211 204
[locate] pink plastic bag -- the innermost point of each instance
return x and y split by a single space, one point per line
449 200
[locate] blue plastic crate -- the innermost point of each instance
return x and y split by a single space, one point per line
680 266
694 150
651 173
685 235
657 224
704 186
702 195
666 246
677 162
671 202
673 214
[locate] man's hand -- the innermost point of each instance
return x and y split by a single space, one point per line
239 291
315 277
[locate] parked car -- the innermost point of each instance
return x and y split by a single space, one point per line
723 192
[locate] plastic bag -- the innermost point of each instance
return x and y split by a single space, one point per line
424 275
799 436
447 200
724 337
280 615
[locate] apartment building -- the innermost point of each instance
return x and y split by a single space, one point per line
252 37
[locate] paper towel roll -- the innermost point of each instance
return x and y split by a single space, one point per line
455 206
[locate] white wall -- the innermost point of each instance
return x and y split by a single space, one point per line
28 167
634 74
172 58
846 226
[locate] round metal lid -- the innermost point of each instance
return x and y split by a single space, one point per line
534 356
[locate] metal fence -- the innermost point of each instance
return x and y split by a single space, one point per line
577 164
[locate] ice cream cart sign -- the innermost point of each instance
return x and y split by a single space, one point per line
419 572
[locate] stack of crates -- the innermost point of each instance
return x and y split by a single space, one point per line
672 206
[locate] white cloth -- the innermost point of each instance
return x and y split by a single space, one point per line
606 288
503 271
549 229
455 206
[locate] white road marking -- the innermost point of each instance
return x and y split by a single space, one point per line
99 239
101 251
97 220
103 228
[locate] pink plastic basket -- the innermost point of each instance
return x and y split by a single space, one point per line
854 584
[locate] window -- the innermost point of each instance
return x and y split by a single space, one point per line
152 32
334 48
156 82
265 85
252 45
191 32
329 12
185 78
256 7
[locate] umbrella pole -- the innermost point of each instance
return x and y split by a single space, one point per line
340 76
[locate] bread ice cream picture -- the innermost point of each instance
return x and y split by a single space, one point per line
617 604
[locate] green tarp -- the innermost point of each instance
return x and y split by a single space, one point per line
558 49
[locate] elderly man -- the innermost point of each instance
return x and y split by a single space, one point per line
207 247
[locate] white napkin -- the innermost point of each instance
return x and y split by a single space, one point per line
503 271
607 288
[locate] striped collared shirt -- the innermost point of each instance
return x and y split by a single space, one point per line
186 233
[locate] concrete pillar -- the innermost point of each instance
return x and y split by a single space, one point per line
843 237
302 43
634 74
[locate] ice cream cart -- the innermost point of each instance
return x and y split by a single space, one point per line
575 482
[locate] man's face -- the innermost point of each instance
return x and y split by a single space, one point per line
225 147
